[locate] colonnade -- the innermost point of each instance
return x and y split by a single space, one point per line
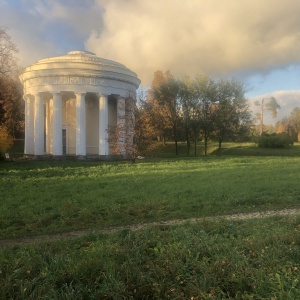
35 120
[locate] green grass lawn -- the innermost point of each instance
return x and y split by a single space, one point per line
40 197
247 259
56 196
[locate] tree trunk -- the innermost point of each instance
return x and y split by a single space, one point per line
175 139
220 146
188 147
187 142
205 145
195 147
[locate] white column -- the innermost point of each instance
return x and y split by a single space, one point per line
31 125
48 124
28 133
80 124
121 125
39 125
103 125
57 124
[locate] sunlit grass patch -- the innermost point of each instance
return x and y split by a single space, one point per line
40 197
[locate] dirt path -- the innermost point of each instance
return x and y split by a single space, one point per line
72 234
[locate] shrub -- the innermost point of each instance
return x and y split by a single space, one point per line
6 140
275 140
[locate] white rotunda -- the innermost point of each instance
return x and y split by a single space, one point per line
71 100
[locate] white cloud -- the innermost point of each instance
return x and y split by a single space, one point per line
216 37
42 28
186 37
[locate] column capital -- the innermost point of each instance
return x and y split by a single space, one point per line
26 98
55 92
103 95
80 93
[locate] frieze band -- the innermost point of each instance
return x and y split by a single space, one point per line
65 79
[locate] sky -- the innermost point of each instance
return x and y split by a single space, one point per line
254 41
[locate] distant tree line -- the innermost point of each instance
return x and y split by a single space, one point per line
190 110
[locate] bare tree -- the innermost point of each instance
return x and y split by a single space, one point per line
8 49
11 104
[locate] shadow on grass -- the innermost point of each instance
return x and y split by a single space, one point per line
237 150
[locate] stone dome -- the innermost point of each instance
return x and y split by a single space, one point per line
80 67
80 56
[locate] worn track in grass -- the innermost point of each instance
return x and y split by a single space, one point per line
79 233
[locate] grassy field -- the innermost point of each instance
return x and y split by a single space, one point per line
217 259
249 259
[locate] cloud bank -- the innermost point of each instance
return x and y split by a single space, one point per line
188 37
218 37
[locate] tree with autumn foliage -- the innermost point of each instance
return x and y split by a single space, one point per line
6 140
165 98
132 134
12 107
290 125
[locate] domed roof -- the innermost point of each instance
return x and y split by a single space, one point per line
80 56
81 67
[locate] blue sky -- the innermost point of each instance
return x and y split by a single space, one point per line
255 41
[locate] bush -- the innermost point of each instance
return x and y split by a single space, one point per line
275 140
6 141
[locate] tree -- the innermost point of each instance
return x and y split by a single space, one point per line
291 125
130 137
8 62
11 104
166 93
5 140
12 107
232 115
158 125
272 106
205 90
188 106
